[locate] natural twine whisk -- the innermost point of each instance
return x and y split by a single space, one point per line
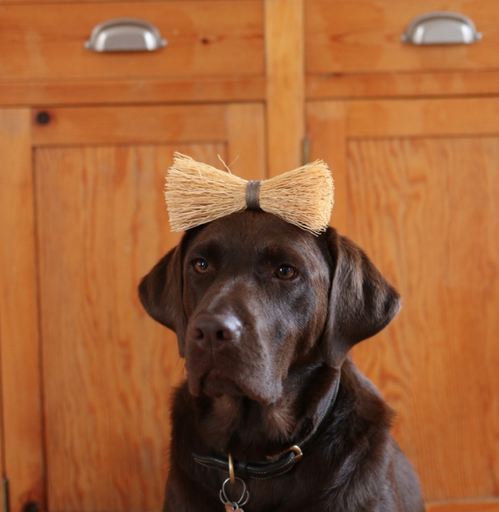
197 193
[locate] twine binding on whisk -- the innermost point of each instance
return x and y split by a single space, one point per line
253 195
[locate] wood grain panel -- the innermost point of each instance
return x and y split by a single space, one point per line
476 506
205 38
108 368
20 358
90 1
284 51
360 36
402 85
130 125
426 212
326 129
422 118
150 91
246 153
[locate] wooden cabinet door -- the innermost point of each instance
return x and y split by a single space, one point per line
87 374
417 186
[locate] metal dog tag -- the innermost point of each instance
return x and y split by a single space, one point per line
234 506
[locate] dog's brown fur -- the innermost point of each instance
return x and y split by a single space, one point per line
265 315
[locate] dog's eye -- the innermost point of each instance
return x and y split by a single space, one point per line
286 272
201 266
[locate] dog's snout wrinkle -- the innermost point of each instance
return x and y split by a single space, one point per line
217 329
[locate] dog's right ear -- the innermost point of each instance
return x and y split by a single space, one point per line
160 292
361 303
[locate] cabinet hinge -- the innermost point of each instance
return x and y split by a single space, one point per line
305 150
5 494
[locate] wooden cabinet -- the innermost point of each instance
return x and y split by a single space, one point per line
204 38
354 50
417 190
85 141
86 392
364 36
411 135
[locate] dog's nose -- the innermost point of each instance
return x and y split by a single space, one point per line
217 329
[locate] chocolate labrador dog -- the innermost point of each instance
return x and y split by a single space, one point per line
274 416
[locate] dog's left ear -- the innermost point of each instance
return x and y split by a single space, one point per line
160 292
361 301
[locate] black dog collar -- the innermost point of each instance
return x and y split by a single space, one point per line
265 470
256 470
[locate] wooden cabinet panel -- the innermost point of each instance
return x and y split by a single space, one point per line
432 220
98 440
363 36
20 365
402 85
104 125
285 87
91 1
205 38
463 506
107 369
424 206
133 91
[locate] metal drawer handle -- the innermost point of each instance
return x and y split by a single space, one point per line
125 35
441 28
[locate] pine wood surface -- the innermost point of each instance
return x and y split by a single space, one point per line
284 50
479 506
239 125
437 365
245 152
152 91
93 1
326 129
104 125
20 357
213 38
423 118
425 209
360 36
107 368
410 118
401 85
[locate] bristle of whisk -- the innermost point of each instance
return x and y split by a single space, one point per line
197 193
303 197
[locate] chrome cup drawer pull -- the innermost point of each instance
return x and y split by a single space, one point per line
125 35
441 28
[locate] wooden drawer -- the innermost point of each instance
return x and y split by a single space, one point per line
205 38
363 36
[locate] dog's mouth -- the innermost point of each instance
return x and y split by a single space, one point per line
226 374
215 384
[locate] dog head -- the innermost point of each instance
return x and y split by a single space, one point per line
253 299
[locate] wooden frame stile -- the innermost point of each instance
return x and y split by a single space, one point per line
285 62
327 134
20 355
246 138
